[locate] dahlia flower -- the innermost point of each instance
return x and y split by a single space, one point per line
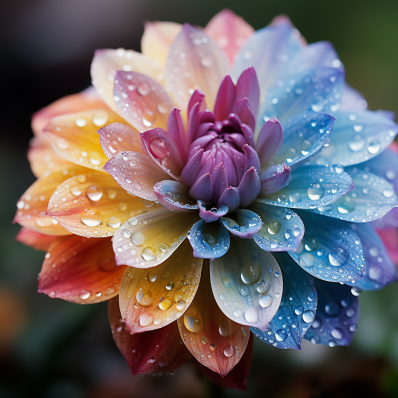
241 181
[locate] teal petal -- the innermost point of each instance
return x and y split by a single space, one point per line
243 223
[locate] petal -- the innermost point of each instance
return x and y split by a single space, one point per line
230 198
285 20
237 377
352 100
85 100
247 87
200 61
208 240
249 187
372 198
297 310
149 239
245 112
106 62
269 140
304 135
174 195
247 284
191 169
142 101
331 250
32 206
213 214
219 181
74 137
379 269
357 137
175 126
117 137
310 92
163 151
274 179
229 31
268 50
282 229
152 300
157 39
42 158
336 317
80 270
93 205
306 192
390 239
243 223
213 339
154 352
136 173
202 189
35 239
226 97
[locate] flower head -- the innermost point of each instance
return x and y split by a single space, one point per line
229 146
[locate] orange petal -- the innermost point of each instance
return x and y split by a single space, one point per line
237 377
154 352
80 270
93 205
151 299
87 99
107 62
35 239
42 158
157 39
213 339
74 137
32 206
149 239
229 31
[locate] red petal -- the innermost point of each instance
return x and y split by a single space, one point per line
237 377
80 270
35 239
157 351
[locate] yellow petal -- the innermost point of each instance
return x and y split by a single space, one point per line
157 39
93 204
32 206
151 299
74 137
149 239
107 62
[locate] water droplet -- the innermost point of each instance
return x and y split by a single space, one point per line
274 227
75 191
170 285
227 281
229 351
181 305
85 294
332 309
350 312
206 60
148 119
355 291
146 320
250 315
44 222
390 174
94 193
138 238
80 122
307 260
374 147
263 286
310 244
144 88
357 143
123 207
337 333
315 191
238 313
308 316
114 222
251 273
209 239
387 193
204 340
346 206
226 327
375 273
152 276
265 301
92 220
193 321
149 254
338 256
165 303
95 158
244 291
306 147
62 144
295 197
281 335
144 298
163 107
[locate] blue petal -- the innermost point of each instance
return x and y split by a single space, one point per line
336 317
372 198
282 229
269 51
243 223
213 214
331 250
209 240
379 269
357 137
311 187
318 90
303 136
296 311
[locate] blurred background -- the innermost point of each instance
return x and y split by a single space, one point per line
50 348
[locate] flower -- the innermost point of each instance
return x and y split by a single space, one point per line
249 143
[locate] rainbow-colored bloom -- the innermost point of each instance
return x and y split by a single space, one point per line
201 156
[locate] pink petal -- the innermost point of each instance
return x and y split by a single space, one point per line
197 96
269 140
251 158
195 61
229 31
118 137
141 100
226 97
191 169
247 87
136 173
175 127
244 110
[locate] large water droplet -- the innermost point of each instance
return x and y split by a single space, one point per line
146 319
206 60
281 335
307 260
306 147
274 227
251 273
227 281
265 301
193 321
144 298
315 191
374 147
85 294
149 254
251 315
226 327
114 222
165 303
337 333
93 219
94 193
308 316
138 238
229 351
357 143
338 256
144 88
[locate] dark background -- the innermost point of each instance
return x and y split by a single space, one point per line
50 348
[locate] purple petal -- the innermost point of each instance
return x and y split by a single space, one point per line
269 140
175 128
243 223
219 181
230 198
251 158
202 189
163 151
226 98
244 110
352 100
191 169
248 134
238 139
247 87
118 137
213 214
197 97
136 173
174 195
274 178
249 187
